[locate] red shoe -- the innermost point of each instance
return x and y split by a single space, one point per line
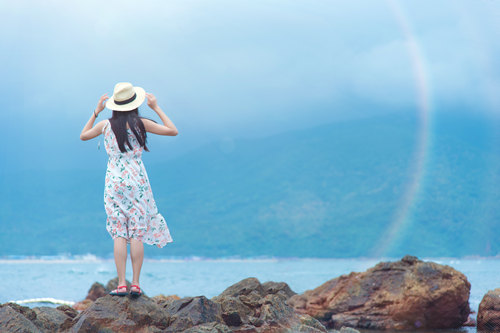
116 292
135 293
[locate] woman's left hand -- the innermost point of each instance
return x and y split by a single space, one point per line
101 103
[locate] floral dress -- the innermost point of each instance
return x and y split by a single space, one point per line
128 199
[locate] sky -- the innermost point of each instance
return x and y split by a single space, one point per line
225 69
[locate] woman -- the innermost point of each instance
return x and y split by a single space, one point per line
132 215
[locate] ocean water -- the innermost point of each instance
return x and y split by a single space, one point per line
69 278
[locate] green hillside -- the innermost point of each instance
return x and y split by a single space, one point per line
329 191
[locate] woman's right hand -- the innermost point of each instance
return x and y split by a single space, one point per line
152 102
101 103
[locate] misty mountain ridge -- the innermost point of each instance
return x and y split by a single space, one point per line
328 191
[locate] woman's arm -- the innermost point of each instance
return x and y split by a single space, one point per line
89 132
168 127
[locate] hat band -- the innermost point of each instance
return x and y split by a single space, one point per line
126 101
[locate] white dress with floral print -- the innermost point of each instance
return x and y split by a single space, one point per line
128 199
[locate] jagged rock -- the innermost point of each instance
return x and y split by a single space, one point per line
18 318
163 300
488 316
249 306
50 319
191 311
83 305
13 321
243 287
271 287
68 310
402 295
213 327
348 330
96 290
121 314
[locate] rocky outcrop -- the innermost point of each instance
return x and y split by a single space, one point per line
17 318
403 295
120 314
13 321
249 306
346 330
97 290
488 316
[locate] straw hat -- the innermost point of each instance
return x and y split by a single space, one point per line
126 97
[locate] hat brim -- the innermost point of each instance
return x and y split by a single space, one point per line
141 96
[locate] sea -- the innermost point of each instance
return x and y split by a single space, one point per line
51 281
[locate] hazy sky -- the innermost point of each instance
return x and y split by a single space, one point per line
225 69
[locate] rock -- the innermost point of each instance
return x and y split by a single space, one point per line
51 319
212 327
348 330
68 310
402 295
97 290
271 287
471 322
163 300
244 287
192 311
488 315
249 306
122 314
13 321
17 318
83 305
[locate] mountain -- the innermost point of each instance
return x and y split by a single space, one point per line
331 191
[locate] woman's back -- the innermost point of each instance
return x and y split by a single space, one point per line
111 144
132 214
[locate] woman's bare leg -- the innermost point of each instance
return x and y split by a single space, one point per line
137 256
120 251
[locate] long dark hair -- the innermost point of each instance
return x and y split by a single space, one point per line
119 122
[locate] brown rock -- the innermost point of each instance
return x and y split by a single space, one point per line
163 300
51 319
191 311
213 327
68 310
271 287
244 287
18 318
406 294
13 321
121 314
96 290
83 305
249 306
488 316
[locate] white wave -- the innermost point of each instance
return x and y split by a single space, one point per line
43 300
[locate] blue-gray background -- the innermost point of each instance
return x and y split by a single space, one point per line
306 128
